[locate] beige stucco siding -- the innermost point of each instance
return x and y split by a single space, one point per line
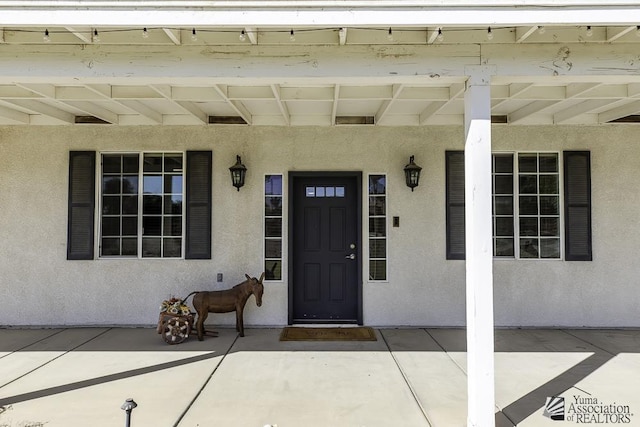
40 287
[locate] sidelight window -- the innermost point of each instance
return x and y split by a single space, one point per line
377 227
273 202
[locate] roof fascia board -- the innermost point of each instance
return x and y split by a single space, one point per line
220 18
300 4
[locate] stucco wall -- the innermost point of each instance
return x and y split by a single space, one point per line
40 287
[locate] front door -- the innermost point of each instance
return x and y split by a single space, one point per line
324 244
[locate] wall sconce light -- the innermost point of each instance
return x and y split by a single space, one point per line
412 174
238 172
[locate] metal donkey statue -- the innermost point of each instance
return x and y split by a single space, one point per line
226 301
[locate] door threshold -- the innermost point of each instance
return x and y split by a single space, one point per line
325 324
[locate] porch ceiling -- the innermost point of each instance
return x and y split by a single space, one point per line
68 94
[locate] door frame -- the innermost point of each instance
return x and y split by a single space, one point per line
293 176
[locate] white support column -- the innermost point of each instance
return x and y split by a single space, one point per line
479 249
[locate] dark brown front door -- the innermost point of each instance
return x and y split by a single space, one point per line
324 246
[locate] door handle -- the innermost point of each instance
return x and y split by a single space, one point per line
351 256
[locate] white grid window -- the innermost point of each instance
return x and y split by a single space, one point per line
526 205
141 211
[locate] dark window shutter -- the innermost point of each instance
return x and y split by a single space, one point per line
455 204
82 186
577 205
198 225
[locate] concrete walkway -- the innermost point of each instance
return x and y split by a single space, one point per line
409 377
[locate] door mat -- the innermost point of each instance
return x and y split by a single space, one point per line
328 334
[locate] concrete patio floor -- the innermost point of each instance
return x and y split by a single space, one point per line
408 377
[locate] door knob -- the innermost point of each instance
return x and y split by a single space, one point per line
351 256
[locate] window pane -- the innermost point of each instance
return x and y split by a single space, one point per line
151 247
549 248
130 246
528 184
503 163
273 248
130 163
111 226
310 191
331 191
528 163
273 227
273 185
152 163
172 248
378 248
129 205
319 191
549 184
173 163
339 191
377 184
503 184
377 270
173 204
152 184
111 163
549 226
173 184
528 248
152 205
273 270
503 205
549 205
273 206
504 247
130 184
528 226
111 205
549 162
528 205
172 226
110 247
111 185
151 226
377 205
504 226
377 227
129 226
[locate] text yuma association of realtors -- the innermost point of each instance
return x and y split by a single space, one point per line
589 410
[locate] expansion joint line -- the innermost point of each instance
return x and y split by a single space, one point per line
31 343
588 342
205 383
406 380
55 358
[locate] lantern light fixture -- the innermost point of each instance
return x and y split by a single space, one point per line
238 173
412 174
